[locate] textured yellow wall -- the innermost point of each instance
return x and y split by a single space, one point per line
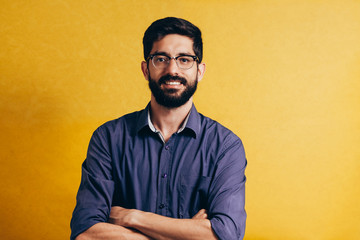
283 75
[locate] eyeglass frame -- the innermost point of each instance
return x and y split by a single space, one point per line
151 56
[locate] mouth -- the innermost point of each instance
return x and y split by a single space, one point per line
172 83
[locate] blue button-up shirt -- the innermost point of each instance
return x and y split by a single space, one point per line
129 165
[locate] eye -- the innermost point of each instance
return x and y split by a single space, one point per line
160 58
185 59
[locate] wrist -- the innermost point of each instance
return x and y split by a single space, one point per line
138 219
132 218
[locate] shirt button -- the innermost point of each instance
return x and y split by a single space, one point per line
161 206
167 147
164 175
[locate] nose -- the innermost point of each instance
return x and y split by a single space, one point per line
172 67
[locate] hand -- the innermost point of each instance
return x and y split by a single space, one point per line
200 215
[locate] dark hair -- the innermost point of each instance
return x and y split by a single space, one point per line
171 25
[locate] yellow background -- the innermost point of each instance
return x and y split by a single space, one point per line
283 75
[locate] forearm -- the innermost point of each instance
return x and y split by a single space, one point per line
107 231
160 227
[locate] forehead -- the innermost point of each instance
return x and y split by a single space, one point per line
174 44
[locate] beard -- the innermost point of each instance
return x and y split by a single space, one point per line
168 97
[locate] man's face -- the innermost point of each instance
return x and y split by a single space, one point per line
171 86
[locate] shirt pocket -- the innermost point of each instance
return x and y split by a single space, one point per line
193 194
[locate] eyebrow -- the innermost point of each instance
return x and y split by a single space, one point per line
166 54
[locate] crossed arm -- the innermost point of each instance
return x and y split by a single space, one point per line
226 199
136 224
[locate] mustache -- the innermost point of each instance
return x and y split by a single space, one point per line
168 77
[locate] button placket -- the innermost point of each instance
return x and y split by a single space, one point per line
165 163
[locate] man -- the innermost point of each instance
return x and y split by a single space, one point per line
166 172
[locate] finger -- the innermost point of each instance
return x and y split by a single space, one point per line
200 215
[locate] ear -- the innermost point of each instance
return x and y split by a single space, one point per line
145 70
201 71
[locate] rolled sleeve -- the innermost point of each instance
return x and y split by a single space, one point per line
96 188
227 192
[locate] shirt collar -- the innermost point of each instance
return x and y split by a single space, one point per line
152 127
192 121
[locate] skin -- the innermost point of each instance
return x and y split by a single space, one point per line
160 227
114 231
136 224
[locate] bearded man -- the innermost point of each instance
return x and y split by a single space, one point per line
165 172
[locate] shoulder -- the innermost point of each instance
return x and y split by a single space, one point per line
218 139
227 147
217 131
125 124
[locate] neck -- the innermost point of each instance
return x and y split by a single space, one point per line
168 120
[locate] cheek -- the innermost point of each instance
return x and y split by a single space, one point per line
151 75
193 76
154 74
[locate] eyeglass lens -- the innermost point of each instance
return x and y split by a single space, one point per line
183 62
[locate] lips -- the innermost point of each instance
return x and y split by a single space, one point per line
172 80
172 83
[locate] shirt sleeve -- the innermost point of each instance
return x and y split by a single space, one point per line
227 191
93 200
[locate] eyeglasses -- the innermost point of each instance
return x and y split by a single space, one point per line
162 61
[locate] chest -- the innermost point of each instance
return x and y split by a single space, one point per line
176 172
